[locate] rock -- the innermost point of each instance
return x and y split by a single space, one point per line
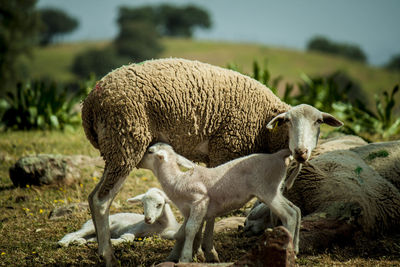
274 249
48 169
229 224
67 210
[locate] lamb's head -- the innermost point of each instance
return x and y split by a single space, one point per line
161 152
303 122
153 201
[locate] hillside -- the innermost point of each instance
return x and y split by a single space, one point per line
55 61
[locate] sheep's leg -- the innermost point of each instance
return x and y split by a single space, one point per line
99 202
193 224
177 249
208 246
288 216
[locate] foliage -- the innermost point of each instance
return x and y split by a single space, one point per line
96 61
338 94
361 120
324 45
40 105
55 22
138 41
169 20
19 23
394 63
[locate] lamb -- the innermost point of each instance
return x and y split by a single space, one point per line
157 219
201 194
207 113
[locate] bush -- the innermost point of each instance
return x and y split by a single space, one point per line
394 63
40 105
96 61
324 45
138 41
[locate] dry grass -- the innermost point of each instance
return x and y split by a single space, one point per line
29 238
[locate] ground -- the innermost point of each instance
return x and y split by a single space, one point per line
29 238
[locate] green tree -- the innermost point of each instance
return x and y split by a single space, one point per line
19 22
55 22
325 45
394 63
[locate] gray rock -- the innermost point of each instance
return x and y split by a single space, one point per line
48 169
67 210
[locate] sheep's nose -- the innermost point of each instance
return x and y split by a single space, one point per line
300 154
147 220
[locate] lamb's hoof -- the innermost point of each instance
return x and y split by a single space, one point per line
212 256
80 241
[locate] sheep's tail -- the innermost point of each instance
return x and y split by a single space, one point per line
293 175
88 119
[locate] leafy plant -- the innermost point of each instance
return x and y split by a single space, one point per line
360 119
40 105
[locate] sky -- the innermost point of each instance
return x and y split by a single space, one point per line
374 25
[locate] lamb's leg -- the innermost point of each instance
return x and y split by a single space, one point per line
78 236
197 251
288 216
99 202
175 254
193 224
208 246
296 237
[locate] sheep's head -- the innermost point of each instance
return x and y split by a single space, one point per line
153 201
303 122
161 152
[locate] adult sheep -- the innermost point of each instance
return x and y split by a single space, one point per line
207 113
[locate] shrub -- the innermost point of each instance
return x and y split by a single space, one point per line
394 63
96 61
40 105
324 45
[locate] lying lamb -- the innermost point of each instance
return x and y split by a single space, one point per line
202 194
157 219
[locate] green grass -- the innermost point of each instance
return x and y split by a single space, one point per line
55 61
29 238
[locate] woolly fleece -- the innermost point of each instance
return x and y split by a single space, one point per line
207 113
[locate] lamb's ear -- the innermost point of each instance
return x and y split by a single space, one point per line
162 193
330 120
184 162
278 120
136 199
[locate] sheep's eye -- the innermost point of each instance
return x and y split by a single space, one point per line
159 206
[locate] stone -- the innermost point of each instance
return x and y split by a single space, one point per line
46 169
67 210
229 224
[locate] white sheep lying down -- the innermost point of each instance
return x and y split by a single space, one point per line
202 194
157 219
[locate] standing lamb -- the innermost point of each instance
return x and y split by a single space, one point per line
157 219
207 113
201 194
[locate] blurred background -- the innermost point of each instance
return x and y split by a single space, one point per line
340 56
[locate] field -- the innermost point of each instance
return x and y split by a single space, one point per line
28 237
55 61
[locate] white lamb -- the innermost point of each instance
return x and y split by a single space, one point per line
202 194
157 219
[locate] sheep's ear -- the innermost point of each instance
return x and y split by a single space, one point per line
136 199
278 120
184 162
162 193
330 120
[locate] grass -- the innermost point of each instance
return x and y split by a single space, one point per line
55 61
29 237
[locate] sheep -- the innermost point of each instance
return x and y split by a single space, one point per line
207 113
203 193
157 219
357 185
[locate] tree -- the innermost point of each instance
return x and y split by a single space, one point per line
394 63
175 21
324 45
55 22
19 23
